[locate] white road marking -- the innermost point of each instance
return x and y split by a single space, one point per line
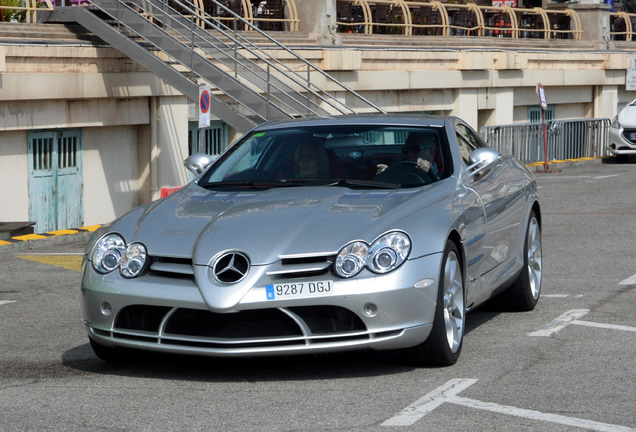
606 326
3 302
629 281
606 176
560 322
428 403
448 394
570 317
562 295
566 177
540 416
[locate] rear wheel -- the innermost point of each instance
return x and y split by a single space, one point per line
444 344
524 294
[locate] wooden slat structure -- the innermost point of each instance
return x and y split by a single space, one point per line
413 17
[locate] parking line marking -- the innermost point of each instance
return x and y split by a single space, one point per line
4 302
448 394
562 295
538 415
606 176
560 322
428 403
606 326
629 281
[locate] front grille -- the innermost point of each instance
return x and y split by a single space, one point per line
627 133
302 266
328 320
252 324
259 328
173 267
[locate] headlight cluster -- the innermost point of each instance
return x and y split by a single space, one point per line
615 123
385 254
111 252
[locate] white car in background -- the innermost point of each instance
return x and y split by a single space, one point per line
623 132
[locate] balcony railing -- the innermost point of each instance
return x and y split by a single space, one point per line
622 26
410 17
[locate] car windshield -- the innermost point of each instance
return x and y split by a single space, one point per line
355 156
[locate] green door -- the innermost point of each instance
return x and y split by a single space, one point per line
56 187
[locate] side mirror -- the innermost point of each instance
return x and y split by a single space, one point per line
483 159
198 162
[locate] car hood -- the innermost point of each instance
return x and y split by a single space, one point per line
627 117
265 224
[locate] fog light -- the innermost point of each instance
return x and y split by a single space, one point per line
370 309
106 308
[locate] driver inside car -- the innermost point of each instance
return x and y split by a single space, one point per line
419 149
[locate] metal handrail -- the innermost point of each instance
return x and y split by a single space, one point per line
507 21
220 41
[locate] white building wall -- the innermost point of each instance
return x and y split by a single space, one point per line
14 177
111 173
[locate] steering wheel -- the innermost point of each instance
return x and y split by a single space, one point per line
406 173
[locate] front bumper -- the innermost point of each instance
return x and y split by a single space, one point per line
622 141
170 314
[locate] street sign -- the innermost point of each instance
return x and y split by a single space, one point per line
542 100
204 106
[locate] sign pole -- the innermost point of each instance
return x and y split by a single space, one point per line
545 142
204 115
544 106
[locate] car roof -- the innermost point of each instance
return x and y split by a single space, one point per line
361 119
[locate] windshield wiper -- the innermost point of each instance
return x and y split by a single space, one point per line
352 183
362 184
248 184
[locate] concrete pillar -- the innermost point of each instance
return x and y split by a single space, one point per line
595 23
465 106
171 146
605 102
318 18
504 101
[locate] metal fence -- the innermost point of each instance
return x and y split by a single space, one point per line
566 139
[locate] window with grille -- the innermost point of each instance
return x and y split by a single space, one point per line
214 138
534 114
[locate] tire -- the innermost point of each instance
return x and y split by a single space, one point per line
444 344
524 294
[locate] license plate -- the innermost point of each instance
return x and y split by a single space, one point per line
632 136
298 290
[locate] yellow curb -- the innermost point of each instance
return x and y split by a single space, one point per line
91 228
62 232
2 243
536 164
30 237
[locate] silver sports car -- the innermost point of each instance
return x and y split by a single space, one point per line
321 235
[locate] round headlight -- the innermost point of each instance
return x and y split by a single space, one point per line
388 252
350 260
133 261
107 253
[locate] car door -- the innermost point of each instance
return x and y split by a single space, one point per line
501 193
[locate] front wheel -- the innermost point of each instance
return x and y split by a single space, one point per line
444 344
